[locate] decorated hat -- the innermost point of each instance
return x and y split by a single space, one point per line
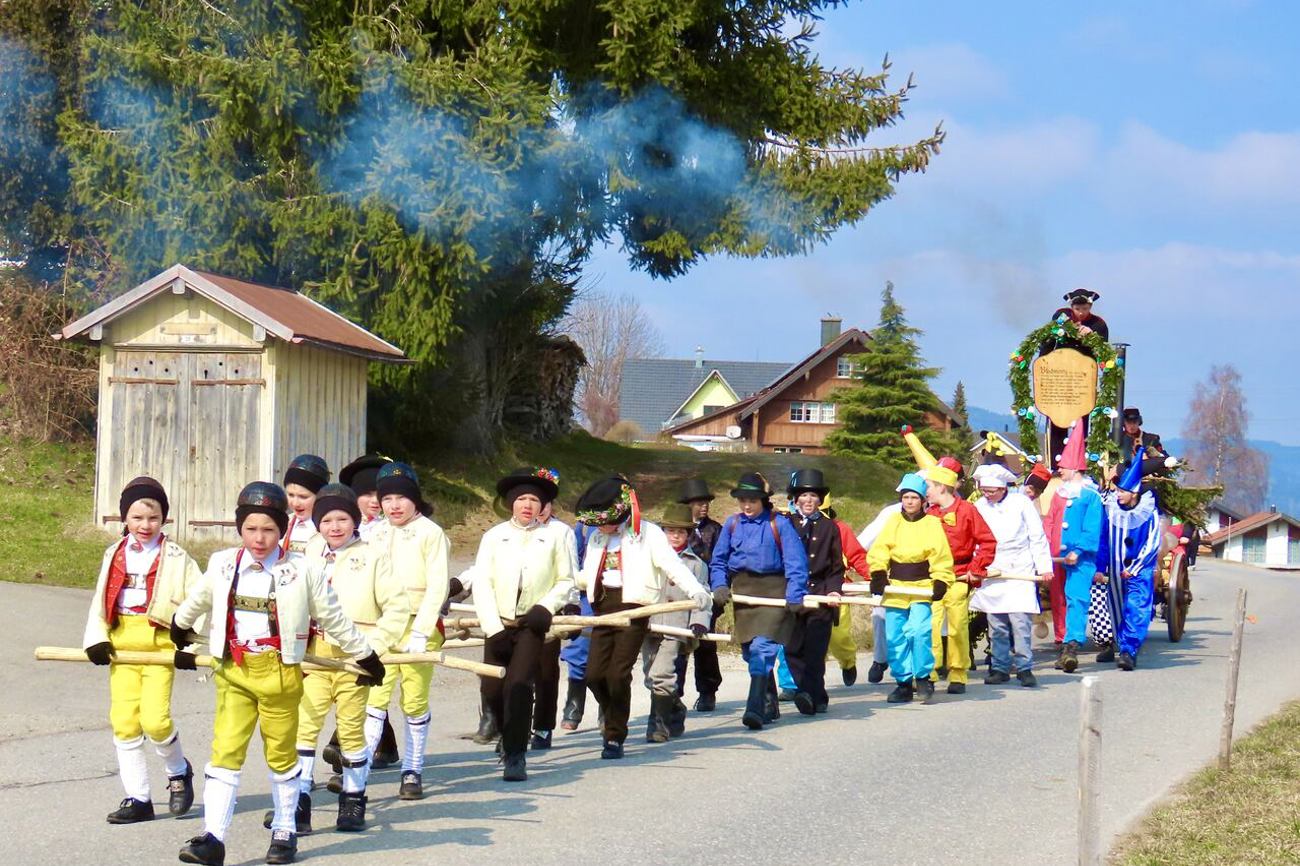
1073 456
263 497
752 485
1132 477
538 480
1132 413
924 459
941 475
362 473
1081 295
139 488
335 497
307 470
807 481
608 502
693 489
994 475
399 479
677 516
948 462
912 483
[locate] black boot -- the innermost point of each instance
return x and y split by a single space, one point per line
331 754
1126 662
515 767
996 678
804 703
1070 657
707 702
207 850
541 740
876 673
301 816
131 812
925 690
612 751
677 717
575 705
412 787
1107 654
180 791
772 703
488 728
352 812
657 728
755 716
902 693
284 847
849 675
1027 679
386 752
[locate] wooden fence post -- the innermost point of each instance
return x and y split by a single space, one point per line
1230 698
1090 853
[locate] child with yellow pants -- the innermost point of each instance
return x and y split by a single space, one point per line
261 607
142 579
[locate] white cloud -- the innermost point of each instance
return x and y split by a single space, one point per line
950 73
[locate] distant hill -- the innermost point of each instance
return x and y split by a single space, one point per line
985 419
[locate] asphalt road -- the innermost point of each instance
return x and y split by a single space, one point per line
986 778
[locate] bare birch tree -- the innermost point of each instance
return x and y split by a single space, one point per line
610 329
1215 431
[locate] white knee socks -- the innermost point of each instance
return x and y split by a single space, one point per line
356 771
220 787
306 765
284 799
132 768
417 734
172 754
375 719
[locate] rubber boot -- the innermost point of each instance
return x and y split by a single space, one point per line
772 707
574 706
657 730
755 707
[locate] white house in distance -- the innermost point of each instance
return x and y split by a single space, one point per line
1270 539
1219 516
207 382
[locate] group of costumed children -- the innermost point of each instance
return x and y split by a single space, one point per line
357 570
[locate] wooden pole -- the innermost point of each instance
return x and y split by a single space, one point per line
483 670
1234 668
819 600
1090 851
757 601
865 589
656 609
674 631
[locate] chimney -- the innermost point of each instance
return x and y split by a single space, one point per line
699 357
1272 509
830 328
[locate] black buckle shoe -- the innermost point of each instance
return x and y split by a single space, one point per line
804 703
849 675
412 787
516 767
876 673
131 811
284 847
207 850
706 703
541 740
180 790
902 693
612 751
352 813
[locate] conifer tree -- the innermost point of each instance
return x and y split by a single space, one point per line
959 403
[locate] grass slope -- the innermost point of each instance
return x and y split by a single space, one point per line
1248 815
45 535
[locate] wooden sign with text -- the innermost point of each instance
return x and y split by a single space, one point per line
1065 386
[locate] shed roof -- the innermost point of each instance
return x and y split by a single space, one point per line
283 313
653 389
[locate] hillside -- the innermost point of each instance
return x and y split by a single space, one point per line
48 538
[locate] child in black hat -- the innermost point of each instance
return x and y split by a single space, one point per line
306 474
140 578
362 475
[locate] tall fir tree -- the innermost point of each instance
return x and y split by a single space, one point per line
959 404
891 392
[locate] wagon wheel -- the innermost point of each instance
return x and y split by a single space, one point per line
1178 595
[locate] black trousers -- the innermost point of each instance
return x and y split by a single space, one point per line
511 699
547 697
614 652
708 676
806 656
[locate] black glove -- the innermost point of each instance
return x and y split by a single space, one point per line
374 669
536 619
571 610
101 653
454 587
940 589
722 595
879 580
180 637
699 629
184 661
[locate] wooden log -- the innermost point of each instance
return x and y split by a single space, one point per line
757 601
166 659
994 574
864 589
483 670
846 600
674 631
615 620
1089 829
461 607
656 609
463 643
1230 697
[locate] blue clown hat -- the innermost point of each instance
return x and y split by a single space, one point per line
1132 479
912 482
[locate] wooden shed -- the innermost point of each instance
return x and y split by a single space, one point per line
207 382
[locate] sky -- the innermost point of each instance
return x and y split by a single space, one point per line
1150 152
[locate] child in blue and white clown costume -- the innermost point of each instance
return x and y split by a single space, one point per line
1129 554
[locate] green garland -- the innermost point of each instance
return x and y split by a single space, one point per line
1186 503
1111 369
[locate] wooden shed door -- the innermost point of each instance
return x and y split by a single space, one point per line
225 398
150 432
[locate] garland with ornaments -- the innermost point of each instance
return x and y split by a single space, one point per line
1110 367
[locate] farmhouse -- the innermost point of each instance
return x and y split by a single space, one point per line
207 382
1269 538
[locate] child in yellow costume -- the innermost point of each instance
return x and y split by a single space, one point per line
261 607
142 579
419 552
373 598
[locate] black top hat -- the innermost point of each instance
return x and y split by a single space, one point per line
1133 413
807 480
545 480
693 489
1081 295
752 485
362 473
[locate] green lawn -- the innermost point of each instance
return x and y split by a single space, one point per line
46 534
1248 815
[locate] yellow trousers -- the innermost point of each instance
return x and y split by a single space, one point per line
843 648
955 610
140 696
319 691
415 681
262 691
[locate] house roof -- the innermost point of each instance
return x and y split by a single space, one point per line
1247 524
654 389
792 374
714 374
283 313
1010 440
1217 505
